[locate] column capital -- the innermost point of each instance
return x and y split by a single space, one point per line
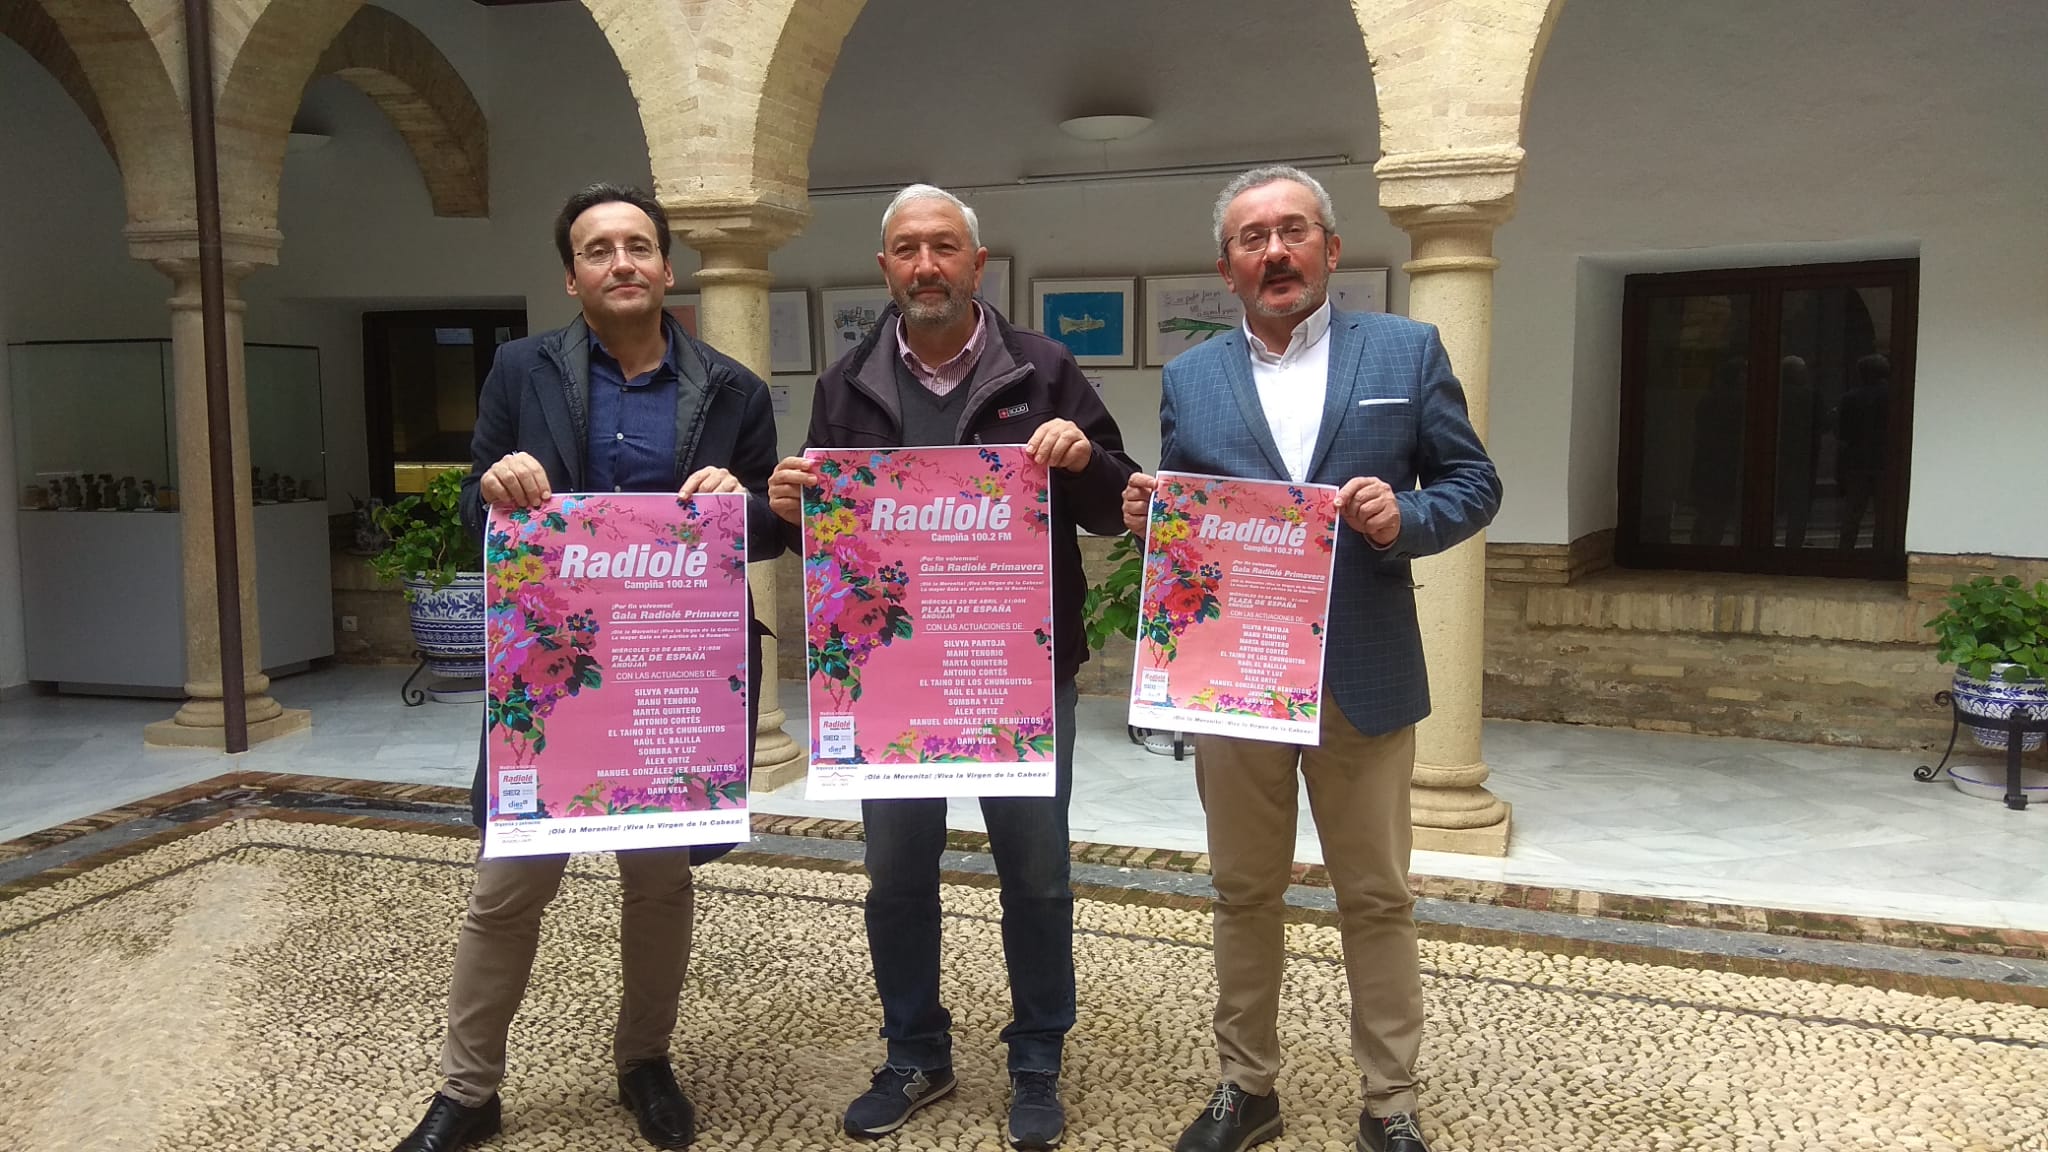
734 233
173 249
1471 177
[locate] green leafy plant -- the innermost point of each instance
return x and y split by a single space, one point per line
1111 607
428 540
1995 621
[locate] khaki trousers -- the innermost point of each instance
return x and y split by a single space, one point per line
501 932
1358 791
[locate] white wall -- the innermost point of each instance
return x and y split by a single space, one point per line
1750 131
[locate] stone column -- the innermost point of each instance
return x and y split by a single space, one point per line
201 721
1450 204
732 316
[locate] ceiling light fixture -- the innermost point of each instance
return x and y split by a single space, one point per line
1105 127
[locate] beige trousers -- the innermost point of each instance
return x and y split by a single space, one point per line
501 932
1358 791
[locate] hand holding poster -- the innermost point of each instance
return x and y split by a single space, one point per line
928 623
617 630
1233 606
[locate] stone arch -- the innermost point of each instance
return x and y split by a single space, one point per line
25 23
1454 76
130 85
395 65
266 52
728 94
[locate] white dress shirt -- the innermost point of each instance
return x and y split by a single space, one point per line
1291 388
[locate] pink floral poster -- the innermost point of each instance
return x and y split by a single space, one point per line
928 623
616 631
1233 606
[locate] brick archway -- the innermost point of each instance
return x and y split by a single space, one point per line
395 65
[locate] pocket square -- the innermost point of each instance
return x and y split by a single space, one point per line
1383 400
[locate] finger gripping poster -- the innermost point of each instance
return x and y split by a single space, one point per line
616 646
928 623
1233 608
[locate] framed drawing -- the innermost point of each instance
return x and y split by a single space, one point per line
995 284
1359 289
846 316
683 306
789 332
1183 311
1093 318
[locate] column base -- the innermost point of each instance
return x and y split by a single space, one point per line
1486 840
778 760
171 734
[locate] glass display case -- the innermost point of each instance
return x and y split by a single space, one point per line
102 558
92 426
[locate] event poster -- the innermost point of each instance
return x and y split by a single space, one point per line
928 623
616 631
1233 607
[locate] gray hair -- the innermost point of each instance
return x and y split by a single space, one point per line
931 192
1259 178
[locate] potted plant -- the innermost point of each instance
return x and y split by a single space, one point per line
1995 632
1111 609
441 567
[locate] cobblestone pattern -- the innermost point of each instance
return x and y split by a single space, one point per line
279 984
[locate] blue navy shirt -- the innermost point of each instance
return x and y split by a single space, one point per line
632 424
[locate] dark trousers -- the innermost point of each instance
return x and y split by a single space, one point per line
1028 835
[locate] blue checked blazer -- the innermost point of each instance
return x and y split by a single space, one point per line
1392 410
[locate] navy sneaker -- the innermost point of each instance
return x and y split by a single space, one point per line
1037 1122
894 1094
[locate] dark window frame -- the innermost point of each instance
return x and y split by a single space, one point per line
1756 553
377 382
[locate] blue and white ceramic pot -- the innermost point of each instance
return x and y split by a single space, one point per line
1995 699
448 625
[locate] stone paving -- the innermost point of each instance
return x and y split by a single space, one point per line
269 984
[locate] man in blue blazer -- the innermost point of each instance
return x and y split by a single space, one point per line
620 400
1366 402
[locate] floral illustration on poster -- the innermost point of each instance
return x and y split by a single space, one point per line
616 675
928 623
1232 607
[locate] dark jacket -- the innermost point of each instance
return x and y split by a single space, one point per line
537 400
1022 380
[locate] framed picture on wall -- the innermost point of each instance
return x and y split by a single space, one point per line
995 284
1093 318
789 332
683 306
1183 311
846 316
1359 289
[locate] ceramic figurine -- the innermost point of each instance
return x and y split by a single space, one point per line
167 499
35 497
125 496
147 502
89 498
72 496
287 490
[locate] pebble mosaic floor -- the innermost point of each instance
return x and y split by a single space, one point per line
268 984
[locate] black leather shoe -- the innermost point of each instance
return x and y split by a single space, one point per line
667 1118
1396 1133
1231 1121
450 1124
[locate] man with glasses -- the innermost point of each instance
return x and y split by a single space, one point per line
1366 402
621 400
944 368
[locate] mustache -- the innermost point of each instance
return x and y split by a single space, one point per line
1278 270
